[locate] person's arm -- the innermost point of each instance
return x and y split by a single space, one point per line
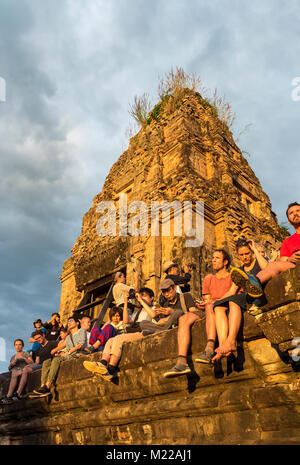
61 345
177 279
200 304
136 281
75 349
294 258
12 363
260 259
47 325
29 360
126 319
148 309
81 337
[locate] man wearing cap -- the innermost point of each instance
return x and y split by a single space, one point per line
185 304
172 272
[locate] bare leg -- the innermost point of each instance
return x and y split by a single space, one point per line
13 382
23 380
234 320
221 325
114 360
273 269
210 326
183 336
227 330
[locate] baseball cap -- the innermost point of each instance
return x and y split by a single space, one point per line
166 283
168 265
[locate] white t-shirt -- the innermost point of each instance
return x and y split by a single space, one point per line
118 292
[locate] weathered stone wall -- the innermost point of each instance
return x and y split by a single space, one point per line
253 399
187 154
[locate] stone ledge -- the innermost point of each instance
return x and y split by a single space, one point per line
253 398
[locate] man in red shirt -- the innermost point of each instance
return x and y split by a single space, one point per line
290 248
289 256
215 286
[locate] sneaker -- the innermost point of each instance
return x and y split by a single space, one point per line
95 367
204 357
107 376
16 397
43 391
177 370
246 281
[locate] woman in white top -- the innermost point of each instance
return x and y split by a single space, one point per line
120 288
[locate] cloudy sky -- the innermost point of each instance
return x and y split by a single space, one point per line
71 68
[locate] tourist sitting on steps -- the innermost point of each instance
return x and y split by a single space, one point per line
53 327
107 367
18 363
215 286
172 271
185 304
38 326
85 323
115 325
61 347
76 343
121 287
289 256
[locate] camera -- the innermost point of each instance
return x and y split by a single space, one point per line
192 266
131 293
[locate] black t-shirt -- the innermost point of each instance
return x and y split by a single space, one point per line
52 333
256 269
188 299
44 352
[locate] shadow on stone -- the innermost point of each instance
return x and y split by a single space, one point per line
193 378
218 370
236 363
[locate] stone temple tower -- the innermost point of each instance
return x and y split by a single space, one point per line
183 153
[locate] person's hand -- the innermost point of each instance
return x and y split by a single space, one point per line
126 296
251 244
295 257
157 311
138 297
61 354
186 269
165 311
200 304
